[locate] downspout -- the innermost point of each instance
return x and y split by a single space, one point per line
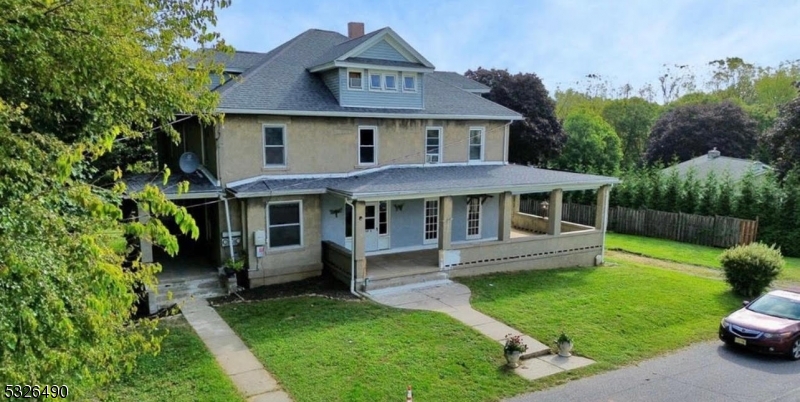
505 141
606 204
228 221
353 250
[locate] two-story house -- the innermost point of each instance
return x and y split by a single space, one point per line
353 153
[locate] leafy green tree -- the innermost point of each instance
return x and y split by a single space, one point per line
76 78
631 119
592 145
537 139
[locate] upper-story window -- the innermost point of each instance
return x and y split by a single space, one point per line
374 81
354 80
433 144
390 82
409 83
476 144
367 145
274 145
382 81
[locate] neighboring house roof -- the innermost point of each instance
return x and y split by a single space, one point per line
200 185
736 168
280 83
419 182
457 80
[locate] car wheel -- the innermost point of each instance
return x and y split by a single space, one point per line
794 354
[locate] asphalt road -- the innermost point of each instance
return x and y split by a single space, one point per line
704 372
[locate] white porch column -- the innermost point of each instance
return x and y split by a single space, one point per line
359 236
600 218
504 216
445 227
554 212
145 246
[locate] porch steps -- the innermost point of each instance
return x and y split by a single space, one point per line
199 288
405 280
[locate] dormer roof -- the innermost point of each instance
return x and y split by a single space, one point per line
349 53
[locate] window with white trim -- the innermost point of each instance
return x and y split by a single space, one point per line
274 145
409 83
285 224
367 145
474 218
375 81
433 144
390 82
354 80
431 221
476 141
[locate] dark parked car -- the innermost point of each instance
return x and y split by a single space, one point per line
768 324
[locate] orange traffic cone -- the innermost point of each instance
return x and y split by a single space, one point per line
408 395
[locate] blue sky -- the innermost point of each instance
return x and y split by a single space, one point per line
561 41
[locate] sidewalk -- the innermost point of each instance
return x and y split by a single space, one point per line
452 299
246 372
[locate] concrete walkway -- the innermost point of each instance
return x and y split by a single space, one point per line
452 299
246 372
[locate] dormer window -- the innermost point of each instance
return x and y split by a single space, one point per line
354 80
409 83
391 82
374 81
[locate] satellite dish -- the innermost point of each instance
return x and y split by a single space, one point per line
189 162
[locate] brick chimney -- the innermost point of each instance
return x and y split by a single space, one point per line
355 30
713 154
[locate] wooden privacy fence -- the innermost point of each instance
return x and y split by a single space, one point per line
717 231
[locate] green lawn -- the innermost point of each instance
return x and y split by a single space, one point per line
616 315
183 371
685 253
331 350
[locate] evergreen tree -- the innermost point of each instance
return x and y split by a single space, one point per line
691 193
747 205
656 200
708 204
673 192
770 201
790 215
727 193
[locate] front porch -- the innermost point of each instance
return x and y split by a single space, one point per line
522 241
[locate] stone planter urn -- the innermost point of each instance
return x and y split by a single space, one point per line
513 359
565 349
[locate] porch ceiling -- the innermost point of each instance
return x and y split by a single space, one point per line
430 181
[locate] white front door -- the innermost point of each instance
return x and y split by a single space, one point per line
376 224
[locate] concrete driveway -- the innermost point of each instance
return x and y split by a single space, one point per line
705 372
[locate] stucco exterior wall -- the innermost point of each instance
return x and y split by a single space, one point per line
329 145
285 264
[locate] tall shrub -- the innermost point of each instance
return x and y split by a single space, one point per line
750 269
708 204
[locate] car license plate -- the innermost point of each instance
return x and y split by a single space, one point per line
740 341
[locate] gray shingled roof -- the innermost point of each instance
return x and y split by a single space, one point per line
198 183
722 165
239 60
424 181
282 82
343 47
457 80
